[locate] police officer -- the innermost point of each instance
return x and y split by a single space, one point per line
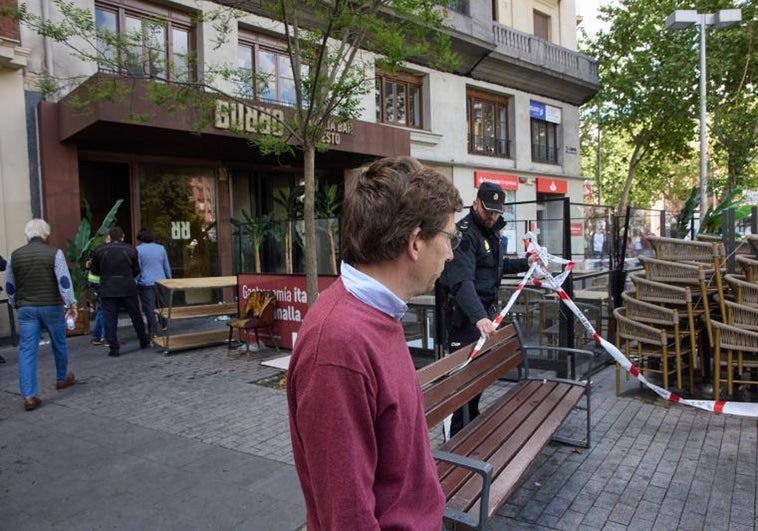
471 280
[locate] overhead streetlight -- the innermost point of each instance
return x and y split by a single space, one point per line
683 19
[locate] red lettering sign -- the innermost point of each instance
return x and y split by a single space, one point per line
549 185
506 182
576 229
291 301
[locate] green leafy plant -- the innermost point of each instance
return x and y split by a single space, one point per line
327 208
257 228
79 250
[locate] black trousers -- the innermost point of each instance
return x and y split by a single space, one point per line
147 301
110 315
459 337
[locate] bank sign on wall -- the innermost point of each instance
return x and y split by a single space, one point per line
546 113
291 302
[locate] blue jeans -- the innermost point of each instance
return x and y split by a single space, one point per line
98 329
31 321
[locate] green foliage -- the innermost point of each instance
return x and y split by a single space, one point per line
79 250
257 228
649 102
681 226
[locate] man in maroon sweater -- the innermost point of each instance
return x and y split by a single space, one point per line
357 424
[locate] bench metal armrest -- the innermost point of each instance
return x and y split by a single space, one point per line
479 467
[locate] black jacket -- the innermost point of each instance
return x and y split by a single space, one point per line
117 265
473 276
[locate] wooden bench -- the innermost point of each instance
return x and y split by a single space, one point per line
480 466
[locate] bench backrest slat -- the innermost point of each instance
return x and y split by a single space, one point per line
451 388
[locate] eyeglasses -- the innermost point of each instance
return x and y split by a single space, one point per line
454 237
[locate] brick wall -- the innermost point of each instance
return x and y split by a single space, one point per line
9 27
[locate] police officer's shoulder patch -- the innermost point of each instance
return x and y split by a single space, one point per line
463 226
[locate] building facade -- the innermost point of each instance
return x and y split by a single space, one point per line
509 113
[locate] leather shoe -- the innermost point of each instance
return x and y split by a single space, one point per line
68 382
143 344
32 403
114 353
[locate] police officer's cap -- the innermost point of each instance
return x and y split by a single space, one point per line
492 196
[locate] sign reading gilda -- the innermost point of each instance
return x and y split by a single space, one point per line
261 120
291 301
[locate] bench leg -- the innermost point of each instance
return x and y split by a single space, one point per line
576 442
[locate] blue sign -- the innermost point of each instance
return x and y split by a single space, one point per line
536 110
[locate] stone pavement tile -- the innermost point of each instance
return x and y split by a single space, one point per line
244 470
717 520
19 520
173 451
622 513
646 510
607 500
596 517
654 494
613 526
278 516
557 507
570 521
283 484
691 522
216 504
640 524
666 522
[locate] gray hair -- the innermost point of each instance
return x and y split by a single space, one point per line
37 228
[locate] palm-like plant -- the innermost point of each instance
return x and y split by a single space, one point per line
79 250
327 208
258 228
291 202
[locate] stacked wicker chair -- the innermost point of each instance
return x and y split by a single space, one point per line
648 332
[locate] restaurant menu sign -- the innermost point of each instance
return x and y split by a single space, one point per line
291 302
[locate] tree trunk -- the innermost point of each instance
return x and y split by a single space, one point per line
309 217
257 249
633 161
332 250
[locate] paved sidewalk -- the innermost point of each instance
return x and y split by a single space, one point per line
191 441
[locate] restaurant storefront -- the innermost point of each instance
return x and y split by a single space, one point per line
183 185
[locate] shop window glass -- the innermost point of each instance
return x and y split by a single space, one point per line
180 60
178 204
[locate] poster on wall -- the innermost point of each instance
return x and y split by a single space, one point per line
291 301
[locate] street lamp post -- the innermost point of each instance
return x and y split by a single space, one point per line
684 19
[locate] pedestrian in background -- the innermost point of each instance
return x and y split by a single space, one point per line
39 287
471 281
93 281
153 265
117 265
366 462
3 265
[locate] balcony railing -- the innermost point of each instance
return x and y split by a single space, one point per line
539 52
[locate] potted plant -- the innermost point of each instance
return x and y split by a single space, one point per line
79 251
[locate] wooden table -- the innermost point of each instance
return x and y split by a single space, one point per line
169 341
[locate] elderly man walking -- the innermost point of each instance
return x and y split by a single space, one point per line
39 287
357 424
153 265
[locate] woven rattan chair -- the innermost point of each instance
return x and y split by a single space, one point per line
259 312
737 350
744 292
667 295
642 343
749 265
681 338
742 316
752 240
549 327
526 304
698 277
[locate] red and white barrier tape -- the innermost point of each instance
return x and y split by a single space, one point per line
540 275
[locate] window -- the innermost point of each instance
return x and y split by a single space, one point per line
541 25
461 6
158 41
398 100
544 141
487 119
274 80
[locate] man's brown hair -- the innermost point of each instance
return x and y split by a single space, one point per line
387 201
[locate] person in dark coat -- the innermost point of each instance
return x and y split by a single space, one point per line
3 265
470 282
117 265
